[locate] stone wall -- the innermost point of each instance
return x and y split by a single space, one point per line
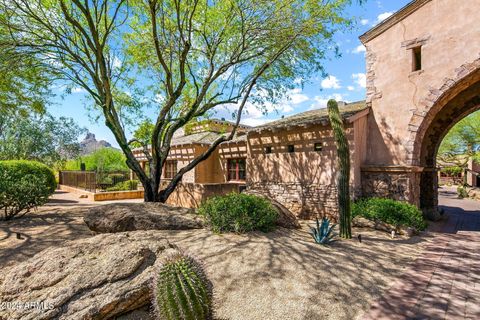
305 201
394 183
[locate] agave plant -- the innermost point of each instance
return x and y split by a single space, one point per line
323 233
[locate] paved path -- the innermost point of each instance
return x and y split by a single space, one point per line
444 283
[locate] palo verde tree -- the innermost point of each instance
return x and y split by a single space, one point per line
462 142
193 56
343 167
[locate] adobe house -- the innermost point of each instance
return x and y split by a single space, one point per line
423 76
291 160
223 172
473 174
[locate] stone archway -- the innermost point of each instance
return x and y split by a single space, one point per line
458 97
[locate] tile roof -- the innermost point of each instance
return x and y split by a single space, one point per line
313 116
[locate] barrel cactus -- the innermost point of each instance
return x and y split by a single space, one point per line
181 289
343 176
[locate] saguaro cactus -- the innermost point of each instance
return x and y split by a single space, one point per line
343 175
181 290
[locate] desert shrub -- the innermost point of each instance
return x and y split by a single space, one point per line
390 211
462 192
124 186
24 185
181 290
239 213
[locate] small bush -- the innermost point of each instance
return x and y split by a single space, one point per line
462 192
124 186
393 212
24 185
239 213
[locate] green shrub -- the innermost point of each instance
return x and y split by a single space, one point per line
393 212
239 213
24 185
462 192
181 290
124 186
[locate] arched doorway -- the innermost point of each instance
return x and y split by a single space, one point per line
455 100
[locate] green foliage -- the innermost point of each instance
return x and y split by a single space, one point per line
452 171
323 233
343 166
462 142
238 212
181 290
25 82
38 137
143 134
102 160
189 57
124 186
462 192
390 211
24 185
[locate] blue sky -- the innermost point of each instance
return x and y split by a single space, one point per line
346 81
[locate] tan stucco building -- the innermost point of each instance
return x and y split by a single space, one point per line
291 160
423 76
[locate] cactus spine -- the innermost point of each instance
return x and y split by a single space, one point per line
181 290
343 175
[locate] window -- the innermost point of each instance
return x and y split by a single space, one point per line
291 148
237 170
318 146
268 149
170 169
417 58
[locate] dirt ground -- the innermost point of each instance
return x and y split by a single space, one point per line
279 275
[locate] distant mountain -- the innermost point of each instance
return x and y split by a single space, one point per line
89 144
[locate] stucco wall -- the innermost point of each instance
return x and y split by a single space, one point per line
303 181
191 195
474 170
448 32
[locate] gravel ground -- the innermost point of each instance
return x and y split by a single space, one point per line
279 275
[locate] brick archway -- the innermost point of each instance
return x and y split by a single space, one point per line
458 97
430 106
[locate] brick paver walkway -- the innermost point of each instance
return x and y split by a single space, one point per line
444 283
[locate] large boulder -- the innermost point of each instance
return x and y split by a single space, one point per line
120 217
361 222
101 277
286 218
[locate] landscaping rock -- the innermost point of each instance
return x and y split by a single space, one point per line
286 218
361 222
120 217
101 277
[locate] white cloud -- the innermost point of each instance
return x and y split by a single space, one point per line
364 22
360 79
351 88
331 82
78 90
253 122
384 16
296 97
321 101
361 48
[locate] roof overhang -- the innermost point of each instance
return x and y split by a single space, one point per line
358 115
392 20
